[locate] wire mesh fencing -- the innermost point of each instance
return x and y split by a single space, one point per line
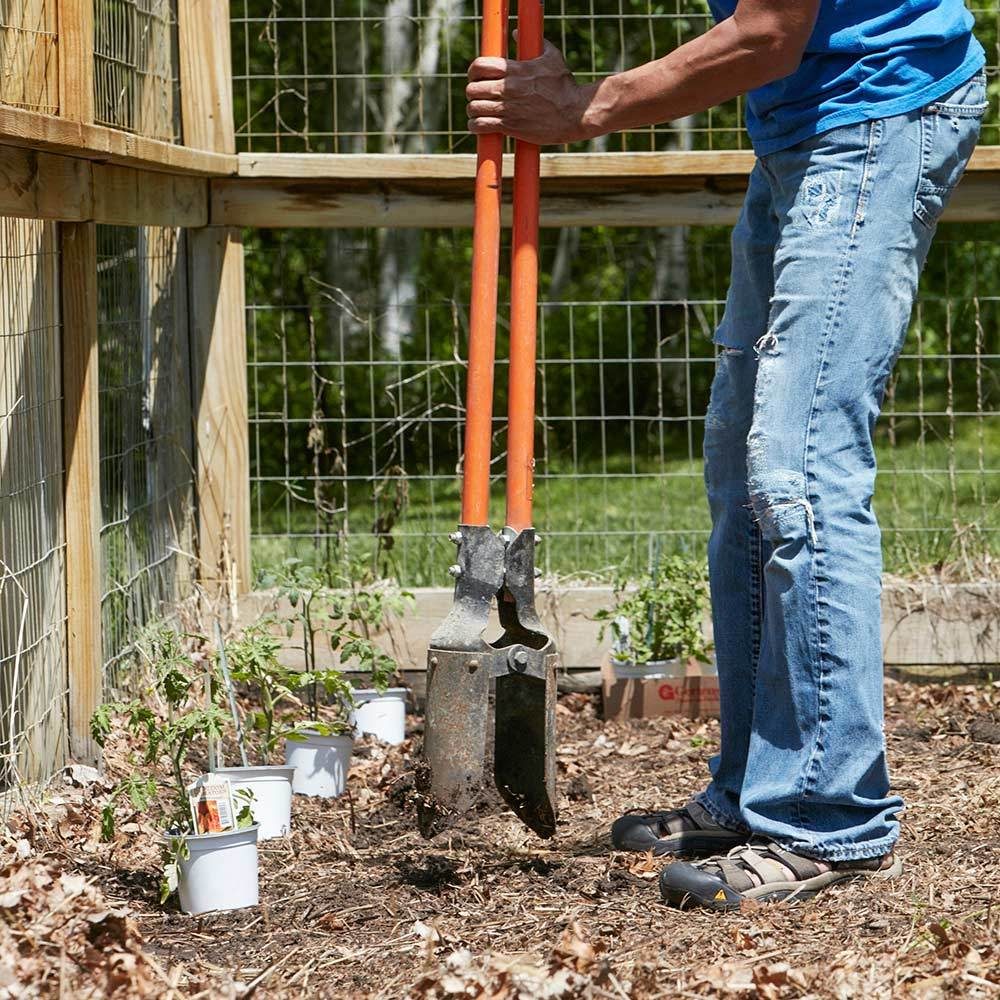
32 579
145 434
136 76
29 69
387 76
357 388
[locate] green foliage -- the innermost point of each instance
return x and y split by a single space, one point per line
244 800
659 616
174 851
253 660
344 613
161 738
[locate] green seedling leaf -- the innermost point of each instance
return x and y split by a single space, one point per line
108 822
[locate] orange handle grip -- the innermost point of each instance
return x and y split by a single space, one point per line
483 307
524 298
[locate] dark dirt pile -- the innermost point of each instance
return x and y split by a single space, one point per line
356 904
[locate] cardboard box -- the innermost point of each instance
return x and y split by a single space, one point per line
689 690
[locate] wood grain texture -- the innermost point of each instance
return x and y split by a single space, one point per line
206 75
129 197
622 200
219 402
384 166
82 487
568 166
36 185
76 60
97 142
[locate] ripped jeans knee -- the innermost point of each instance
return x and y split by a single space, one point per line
780 505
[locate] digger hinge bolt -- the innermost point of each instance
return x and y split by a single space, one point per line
518 660
455 570
456 537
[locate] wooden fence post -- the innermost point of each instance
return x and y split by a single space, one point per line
81 421
82 483
217 311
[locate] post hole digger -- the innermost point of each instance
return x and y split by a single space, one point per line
518 668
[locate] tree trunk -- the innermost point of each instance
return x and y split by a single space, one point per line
419 116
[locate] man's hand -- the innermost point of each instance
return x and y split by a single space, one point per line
536 100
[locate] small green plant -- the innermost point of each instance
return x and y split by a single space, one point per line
659 616
253 661
164 724
344 618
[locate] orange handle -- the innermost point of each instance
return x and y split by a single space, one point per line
483 307
523 298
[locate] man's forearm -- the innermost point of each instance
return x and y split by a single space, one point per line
726 61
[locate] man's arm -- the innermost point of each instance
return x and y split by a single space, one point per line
538 100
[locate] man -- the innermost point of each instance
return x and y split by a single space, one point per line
862 116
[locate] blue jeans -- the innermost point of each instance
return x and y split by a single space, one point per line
826 257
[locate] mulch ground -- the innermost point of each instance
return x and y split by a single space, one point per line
356 904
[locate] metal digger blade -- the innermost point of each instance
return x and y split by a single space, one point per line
463 669
458 688
458 685
524 761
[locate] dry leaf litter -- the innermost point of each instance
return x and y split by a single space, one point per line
356 904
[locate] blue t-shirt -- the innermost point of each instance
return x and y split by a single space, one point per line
865 59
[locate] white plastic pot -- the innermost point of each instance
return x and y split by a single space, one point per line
271 785
381 715
321 764
220 872
651 670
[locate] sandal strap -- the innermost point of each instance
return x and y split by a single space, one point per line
689 818
761 863
733 875
804 868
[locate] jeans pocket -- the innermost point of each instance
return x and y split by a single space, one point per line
949 130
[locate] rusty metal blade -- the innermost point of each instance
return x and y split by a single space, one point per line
524 764
457 711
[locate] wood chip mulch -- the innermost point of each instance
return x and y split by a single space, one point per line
356 904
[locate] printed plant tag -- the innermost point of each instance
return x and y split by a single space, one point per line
211 801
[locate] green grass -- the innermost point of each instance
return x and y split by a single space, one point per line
606 518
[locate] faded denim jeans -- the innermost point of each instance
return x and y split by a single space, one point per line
826 257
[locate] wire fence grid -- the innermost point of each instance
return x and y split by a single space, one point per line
32 547
356 402
136 76
387 76
147 498
29 69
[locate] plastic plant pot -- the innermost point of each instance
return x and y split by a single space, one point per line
381 715
271 785
220 872
321 764
651 670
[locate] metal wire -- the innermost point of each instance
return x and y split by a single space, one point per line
136 79
145 434
373 76
29 71
32 580
356 406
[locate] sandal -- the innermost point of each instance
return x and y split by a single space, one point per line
763 871
689 830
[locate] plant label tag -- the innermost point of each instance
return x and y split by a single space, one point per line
211 802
